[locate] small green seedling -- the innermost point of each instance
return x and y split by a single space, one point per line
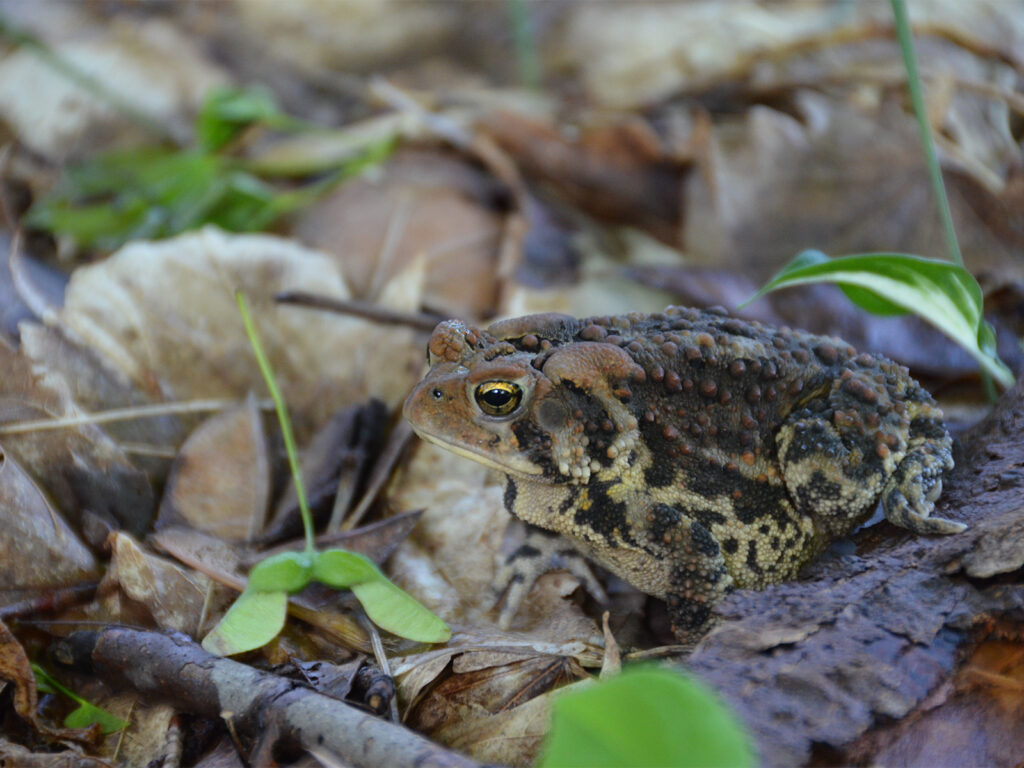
942 293
226 112
86 714
158 191
259 613
645 716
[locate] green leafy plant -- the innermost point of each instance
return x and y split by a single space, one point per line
86 714
942 293
256 617
157 192
645 716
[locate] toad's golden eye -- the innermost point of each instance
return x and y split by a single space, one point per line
498 398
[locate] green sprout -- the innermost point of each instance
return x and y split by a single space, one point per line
156 192
86 714
259 613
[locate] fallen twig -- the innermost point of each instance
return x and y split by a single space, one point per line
255 703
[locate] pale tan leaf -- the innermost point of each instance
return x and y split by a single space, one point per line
220 482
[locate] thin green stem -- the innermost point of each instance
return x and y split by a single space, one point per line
527 58
906 40
282 417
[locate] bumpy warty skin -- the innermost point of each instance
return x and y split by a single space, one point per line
686 451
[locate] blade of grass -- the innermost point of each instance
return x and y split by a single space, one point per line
906 40
282 414
905 36
527 58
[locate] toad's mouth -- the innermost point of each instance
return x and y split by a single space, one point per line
518 466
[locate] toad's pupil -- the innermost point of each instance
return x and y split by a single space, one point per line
497 397
437 393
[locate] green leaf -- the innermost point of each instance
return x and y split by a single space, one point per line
387 605
86 714
645 716
252 621
285 572
940 292
127 195
872 302
864 299
399 612
342 569
227 111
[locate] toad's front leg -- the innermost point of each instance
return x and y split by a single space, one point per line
689 563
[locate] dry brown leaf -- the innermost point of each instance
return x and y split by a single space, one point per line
37 547
422 205
334 680
202 552
138 581
631 55
493 705
145 742
18 756
147 64
619 172
331 35
333 466
449 562
479 648
513 737
16 669
94 385
840 180
220 482
81 468
164 316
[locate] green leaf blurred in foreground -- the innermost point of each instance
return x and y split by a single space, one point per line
940 292
644 717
